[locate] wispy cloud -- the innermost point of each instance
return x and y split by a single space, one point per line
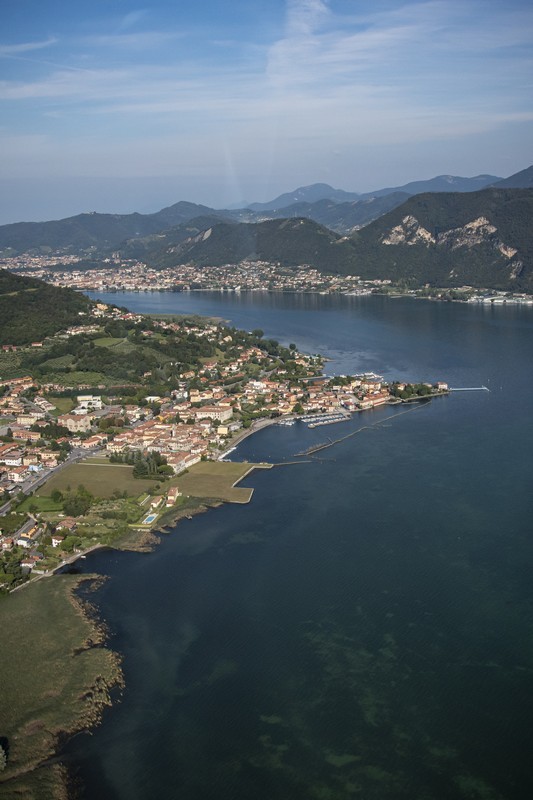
142 40
132 18
304 16
7 50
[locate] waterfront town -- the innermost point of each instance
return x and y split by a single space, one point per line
116 274
84 458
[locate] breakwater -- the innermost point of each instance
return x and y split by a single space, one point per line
332 442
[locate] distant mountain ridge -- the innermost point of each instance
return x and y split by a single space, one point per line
442 183
93 229
323 191
340 217
101 232
520 180
306 194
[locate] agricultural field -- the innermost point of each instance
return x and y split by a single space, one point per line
217 479
78 378
61 362
10 365
101 480
107 341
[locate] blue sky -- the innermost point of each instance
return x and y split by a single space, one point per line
111 105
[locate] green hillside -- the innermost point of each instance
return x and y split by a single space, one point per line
92 230
451 255
288 241
31 309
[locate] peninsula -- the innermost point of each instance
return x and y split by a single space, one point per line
112 425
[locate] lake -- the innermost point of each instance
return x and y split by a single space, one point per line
363 628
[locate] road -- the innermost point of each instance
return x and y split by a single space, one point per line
30 486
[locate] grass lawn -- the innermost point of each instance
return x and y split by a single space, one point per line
101 480
46 671
43 504
107 341
216 479
63 404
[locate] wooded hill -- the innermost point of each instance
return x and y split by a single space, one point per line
481 239
31 309
288 241
92 230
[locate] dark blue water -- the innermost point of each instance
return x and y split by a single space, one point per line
364 627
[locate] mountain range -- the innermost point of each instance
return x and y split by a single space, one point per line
341 211
444 239
481 238
322 191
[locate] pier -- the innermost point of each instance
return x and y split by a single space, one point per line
470 389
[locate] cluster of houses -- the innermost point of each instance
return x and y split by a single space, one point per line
191 423
28 537
195 421
119 274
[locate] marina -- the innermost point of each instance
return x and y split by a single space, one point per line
329 419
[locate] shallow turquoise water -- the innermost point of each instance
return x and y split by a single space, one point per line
363 628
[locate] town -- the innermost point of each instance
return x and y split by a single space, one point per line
86 458
116 274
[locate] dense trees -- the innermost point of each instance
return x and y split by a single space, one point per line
26 305
151 466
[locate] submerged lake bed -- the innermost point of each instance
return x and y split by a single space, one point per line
362 628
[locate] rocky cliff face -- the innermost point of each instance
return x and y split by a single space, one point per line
410 232
482 239
479 231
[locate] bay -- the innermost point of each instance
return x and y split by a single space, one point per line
363 628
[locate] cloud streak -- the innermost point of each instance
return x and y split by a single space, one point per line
8 50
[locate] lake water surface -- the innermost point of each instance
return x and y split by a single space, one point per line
364 627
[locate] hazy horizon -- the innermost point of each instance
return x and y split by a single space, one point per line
119 108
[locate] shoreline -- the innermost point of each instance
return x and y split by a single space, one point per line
520 299
85 687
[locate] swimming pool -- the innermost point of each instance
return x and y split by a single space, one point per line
150 518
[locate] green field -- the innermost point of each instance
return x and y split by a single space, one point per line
46 672
101 480
41 504
216 479
63 404
9 364
61 361
78 378
107 341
